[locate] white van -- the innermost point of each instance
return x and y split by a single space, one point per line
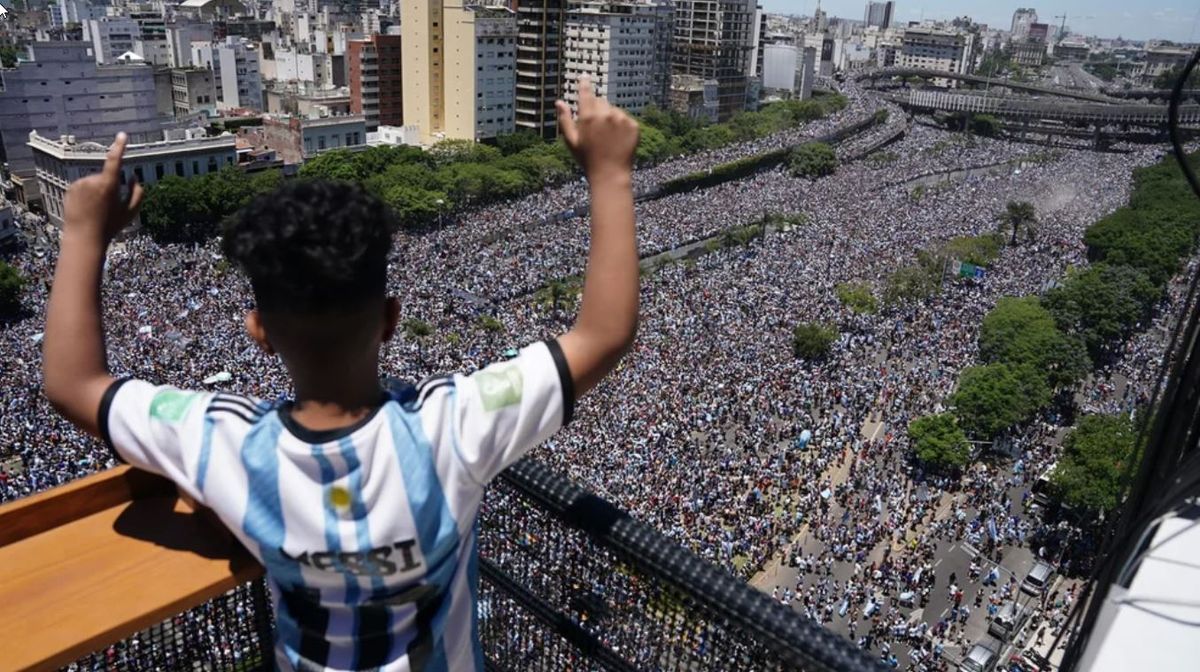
1008 621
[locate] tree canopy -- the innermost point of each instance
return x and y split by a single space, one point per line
1102 304
994 397
856 296
1021 332
190 210
666 133
12 284
938 441
1153 241
812 160
812 340
1091 474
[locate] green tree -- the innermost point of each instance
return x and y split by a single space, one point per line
415 207
978 250
338 164
909 283
449 152
1154 241
1021 332
179 210
812 340
489 323
985 125
707 137
8 56
515 143
1167 79
995 397
12 284
1102 304
416 328
1092 472
1019 216
652 145
938 441
812 160
856 296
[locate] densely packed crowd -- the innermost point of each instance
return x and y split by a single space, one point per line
694 433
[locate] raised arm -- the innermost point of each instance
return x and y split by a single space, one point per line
74 367
603 139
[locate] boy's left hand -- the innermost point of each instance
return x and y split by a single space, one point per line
93 205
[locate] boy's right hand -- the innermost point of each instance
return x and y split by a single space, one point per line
602 137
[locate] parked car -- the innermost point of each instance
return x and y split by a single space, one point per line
981 658
1038 579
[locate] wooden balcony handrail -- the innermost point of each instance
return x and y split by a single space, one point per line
92 562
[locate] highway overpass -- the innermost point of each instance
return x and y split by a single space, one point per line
1035 109
976 79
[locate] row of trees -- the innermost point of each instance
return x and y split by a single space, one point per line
423 186
665 134
1031 347
190 210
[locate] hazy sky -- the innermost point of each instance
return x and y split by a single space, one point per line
1177 20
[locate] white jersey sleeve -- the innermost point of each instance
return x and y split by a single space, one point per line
156 428
502 411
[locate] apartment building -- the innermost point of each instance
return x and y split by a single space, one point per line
459 69
933 49
616 43
235 65
540 26
714 39
62 91
376 80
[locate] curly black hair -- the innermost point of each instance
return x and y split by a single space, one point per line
312 246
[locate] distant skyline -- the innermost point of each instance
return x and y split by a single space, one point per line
1162 19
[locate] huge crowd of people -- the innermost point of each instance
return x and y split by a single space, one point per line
695 433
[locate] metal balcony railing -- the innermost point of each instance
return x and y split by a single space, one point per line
568 582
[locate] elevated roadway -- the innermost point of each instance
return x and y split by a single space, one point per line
1034 109
976 79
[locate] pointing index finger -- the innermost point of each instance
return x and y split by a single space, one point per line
112 160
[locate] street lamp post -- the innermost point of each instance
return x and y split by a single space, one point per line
440 203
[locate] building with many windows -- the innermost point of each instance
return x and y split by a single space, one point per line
151 42
1022 19
112 36
879 14
714 39
616 44
184 153
235 65
193 90
61 91
295 139
459 69
933 49
376 80
540 26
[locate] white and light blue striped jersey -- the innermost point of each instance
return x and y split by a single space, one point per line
368 532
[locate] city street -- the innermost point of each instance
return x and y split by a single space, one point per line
951 559
1073 76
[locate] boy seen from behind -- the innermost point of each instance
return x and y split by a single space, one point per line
360 502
